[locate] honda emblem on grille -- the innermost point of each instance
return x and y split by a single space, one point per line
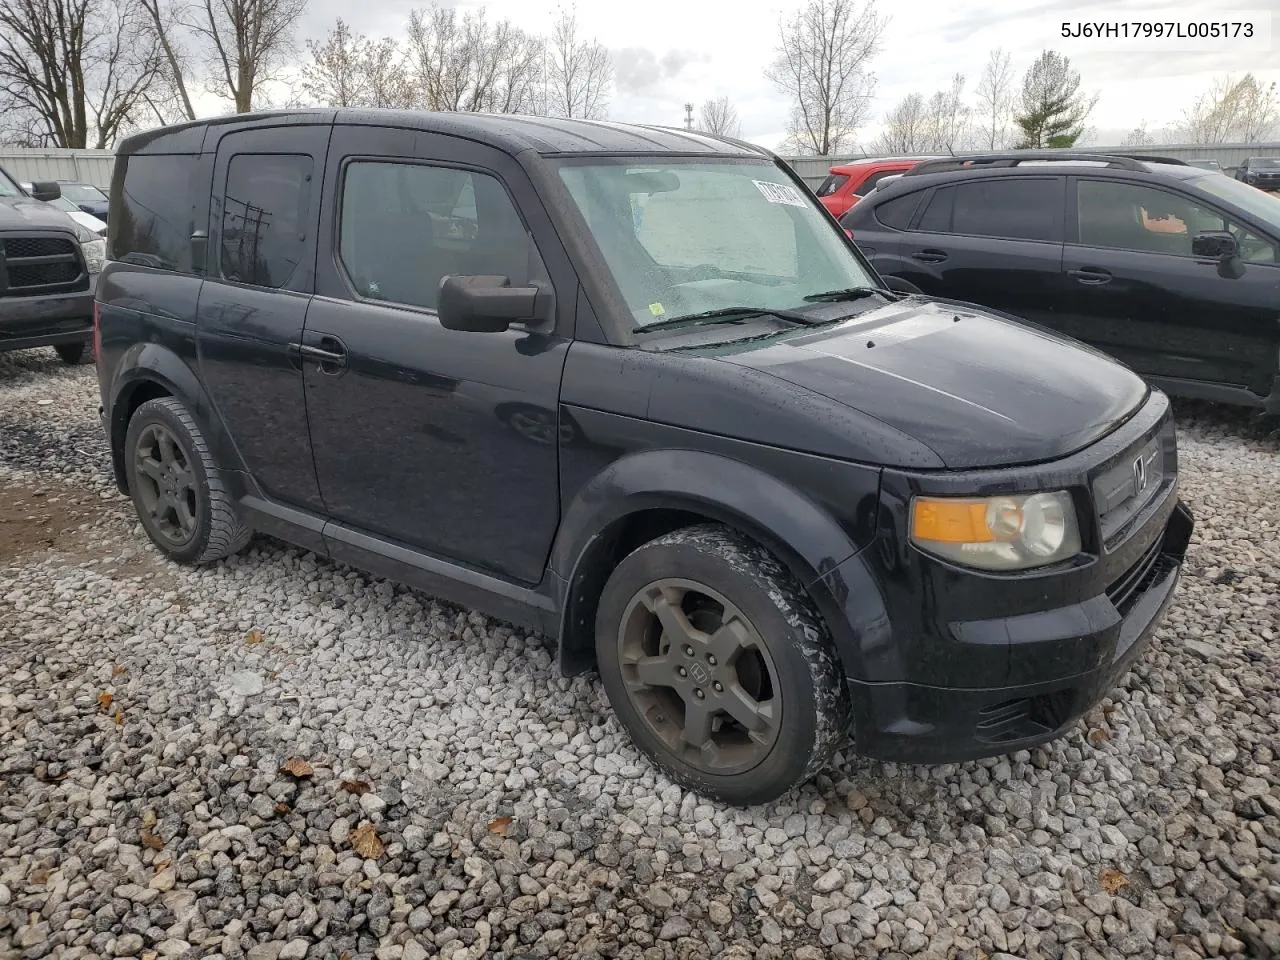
1140 476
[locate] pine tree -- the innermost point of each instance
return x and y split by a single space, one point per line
1053 108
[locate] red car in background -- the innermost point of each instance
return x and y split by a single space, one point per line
848 183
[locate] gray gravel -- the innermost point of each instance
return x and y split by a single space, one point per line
516 819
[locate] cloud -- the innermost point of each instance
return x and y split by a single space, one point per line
639 70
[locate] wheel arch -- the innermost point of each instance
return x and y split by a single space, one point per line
640 497
148 371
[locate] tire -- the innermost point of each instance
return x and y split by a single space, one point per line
201 523
76 353
783 676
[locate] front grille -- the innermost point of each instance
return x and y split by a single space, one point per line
35 265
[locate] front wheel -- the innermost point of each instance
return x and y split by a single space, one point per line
176 490
719 667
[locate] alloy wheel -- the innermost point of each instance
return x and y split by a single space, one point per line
166 484
700 676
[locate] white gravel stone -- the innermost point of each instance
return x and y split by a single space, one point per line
456 720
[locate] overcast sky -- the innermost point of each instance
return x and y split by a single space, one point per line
669 52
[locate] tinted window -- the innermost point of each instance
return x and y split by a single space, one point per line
1128 216
833 183
152 224
937 215
869 184
264 218
1016 208
404 228
897 212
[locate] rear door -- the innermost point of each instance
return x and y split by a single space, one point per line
261 271
1133 287
993 241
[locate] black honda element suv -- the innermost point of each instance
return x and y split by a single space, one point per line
633 388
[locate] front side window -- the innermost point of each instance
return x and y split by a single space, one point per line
684 237
1129 216
405 227
872 180
265 217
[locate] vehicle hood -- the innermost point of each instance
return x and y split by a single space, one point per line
23 212
977 389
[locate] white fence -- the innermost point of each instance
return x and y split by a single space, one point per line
94 166
87 166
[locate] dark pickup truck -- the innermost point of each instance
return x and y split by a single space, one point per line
635 389
48 265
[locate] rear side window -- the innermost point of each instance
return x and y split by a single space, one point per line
1016 209
937 215
869 184
833 183
264 214
152 225
896 213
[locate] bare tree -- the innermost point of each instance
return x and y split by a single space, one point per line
246 41
720 117
1053 108
74 73
1244 110
995 100
579 72
946 118
904 128
823 60
1139 136
467 64
162 22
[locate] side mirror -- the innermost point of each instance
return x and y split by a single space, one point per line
898 285
46 190
487 304
1215 245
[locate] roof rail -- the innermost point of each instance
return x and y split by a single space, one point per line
1150 158
1023 156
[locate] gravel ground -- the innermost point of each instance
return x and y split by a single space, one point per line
146 712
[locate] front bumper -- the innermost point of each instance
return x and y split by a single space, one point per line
44 321
917 723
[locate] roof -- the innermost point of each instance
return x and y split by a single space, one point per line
510 133
868 161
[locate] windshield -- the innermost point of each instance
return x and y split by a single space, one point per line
1262 205
8 188
683 237
82 192
1268 162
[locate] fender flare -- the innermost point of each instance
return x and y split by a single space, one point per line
808 540
145 364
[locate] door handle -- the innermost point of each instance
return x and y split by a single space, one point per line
929 256
327 352
1090 275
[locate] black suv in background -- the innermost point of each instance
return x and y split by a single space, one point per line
633 388
48 264
1173 269
1260 172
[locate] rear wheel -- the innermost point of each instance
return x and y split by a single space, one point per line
175 486
718 665
75 353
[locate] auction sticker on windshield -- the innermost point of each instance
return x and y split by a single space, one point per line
780 193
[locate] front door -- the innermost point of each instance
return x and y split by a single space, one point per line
1133 288
442 441
261 267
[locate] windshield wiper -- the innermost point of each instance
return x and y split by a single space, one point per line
730 315
847 293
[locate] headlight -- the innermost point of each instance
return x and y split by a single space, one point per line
997 533
95 255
